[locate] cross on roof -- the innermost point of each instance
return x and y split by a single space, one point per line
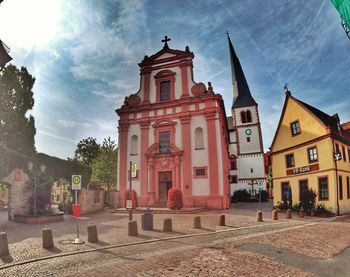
286 86
165 40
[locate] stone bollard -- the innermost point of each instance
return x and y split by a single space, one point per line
197 222
313 212
301 213
274 215
132 228
222 220
147 220
167 225
47 238
4 246
259 216
289 214
92 233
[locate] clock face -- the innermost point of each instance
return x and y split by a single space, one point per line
248 132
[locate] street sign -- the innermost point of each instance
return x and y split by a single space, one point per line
133 171
260 186
128 204
76 182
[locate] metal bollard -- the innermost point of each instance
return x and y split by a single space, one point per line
47 238
147 220
92 233
4 246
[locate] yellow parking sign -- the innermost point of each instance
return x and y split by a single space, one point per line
76 181
133 171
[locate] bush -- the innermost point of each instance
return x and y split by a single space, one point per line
320 209
308 199
133 197
283 205
241 195
174 199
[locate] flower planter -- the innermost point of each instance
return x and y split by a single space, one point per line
35 219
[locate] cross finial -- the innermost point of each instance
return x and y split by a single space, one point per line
286 90
165 40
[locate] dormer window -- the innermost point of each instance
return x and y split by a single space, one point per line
295 128
164 91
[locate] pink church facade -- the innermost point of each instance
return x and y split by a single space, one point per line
175 131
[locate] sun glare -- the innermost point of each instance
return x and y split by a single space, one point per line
30 23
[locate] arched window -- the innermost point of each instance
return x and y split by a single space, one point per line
249 116
134 145
198 138
243 117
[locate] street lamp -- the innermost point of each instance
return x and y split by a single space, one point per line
35 175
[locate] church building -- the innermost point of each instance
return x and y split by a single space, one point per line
247 168
175 131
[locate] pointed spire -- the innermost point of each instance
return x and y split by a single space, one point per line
241 92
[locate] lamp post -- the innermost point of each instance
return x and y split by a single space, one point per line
35 175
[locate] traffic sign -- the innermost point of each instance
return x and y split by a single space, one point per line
76 181
260 186
133 171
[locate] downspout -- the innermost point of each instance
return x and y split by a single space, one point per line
336 174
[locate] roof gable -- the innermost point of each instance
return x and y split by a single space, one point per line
311 120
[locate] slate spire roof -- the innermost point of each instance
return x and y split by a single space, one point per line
241 92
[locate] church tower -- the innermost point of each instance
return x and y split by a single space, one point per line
246 145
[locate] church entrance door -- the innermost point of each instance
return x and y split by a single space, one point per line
165 183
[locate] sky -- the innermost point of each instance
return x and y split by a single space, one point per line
84 55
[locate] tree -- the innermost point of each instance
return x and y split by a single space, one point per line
87 150
104 167
17 131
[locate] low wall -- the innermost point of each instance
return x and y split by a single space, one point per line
91 200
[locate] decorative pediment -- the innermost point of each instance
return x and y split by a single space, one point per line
163 123
164 73
165 55
154 150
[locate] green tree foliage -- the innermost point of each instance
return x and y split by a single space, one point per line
87 150
17 131
104 167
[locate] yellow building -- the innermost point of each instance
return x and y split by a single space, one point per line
311 150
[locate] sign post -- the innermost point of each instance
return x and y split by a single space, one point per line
133 174
76 185
260 186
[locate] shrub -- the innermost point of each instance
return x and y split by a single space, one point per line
174 199
320 209
308 199
133 197
241 195
283 205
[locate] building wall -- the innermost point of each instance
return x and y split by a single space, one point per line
313 134
182 114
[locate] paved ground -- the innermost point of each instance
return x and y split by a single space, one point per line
244 247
